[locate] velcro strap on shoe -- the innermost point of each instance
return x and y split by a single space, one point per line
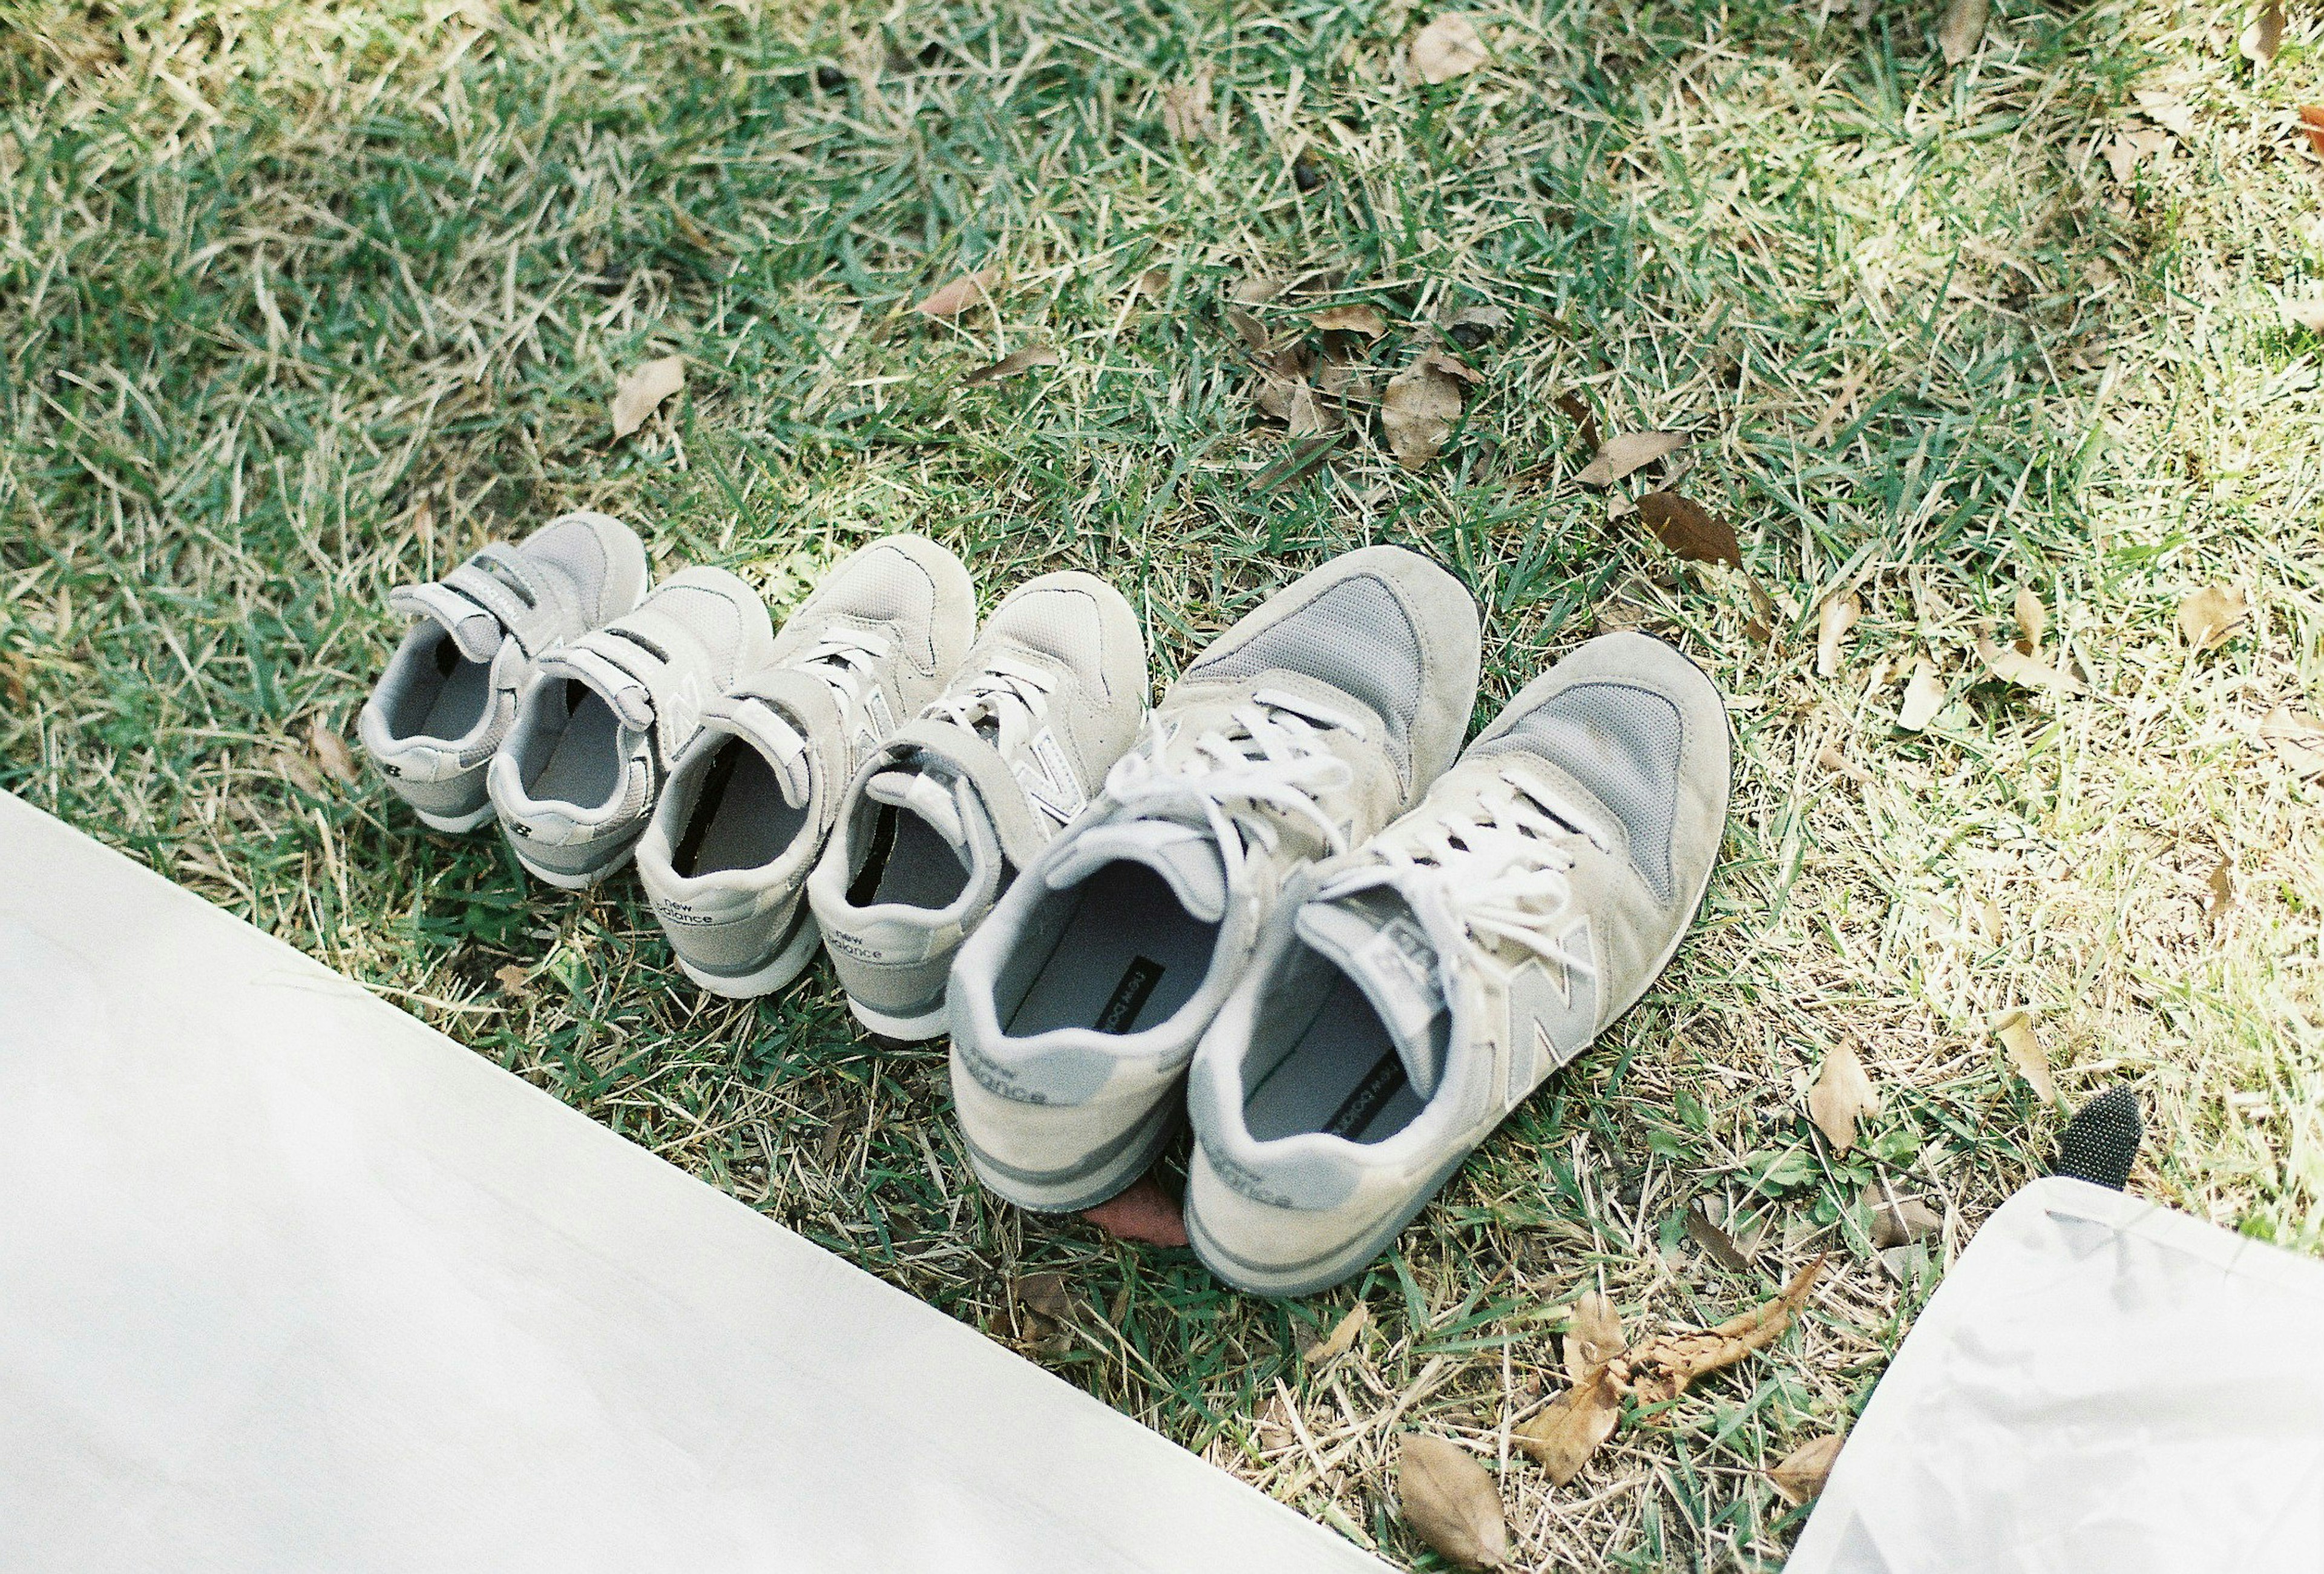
1022 830
796 720
497 592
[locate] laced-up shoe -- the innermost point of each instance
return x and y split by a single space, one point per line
443 704
1409 996
1306 727
952 807
603 716
751 805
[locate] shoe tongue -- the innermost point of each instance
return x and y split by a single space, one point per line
925 796
1375 939
1184 857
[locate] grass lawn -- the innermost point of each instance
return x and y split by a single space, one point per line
300 301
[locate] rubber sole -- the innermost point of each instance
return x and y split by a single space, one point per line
903 1030
565 882
1086 1185
784 965
455 824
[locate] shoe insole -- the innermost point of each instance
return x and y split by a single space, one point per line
908 862
740 821
1127 958
1341 1076
443 696
585 766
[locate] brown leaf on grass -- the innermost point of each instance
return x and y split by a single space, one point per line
1840 765
1361 317
2026 1055
1802 1473
1250 330
956 296
1712 1238
331 752
1564 1433
1447 48
2308 314
1153 283
2312 121
1924 696
514 980
1962 27
1342 1337
2130 148
2208 617
1145 1212
2260 39
640 391
2032 618
1420 405
1575 409
2167 110
1842 1094
1187 108
1627 451
1257 288
1899 1223
1450 1500
1689 529
1668 1365
2295 737
1017 361
1593 1336
2219 890
1490 319
1044 1295
2012 665
1834 618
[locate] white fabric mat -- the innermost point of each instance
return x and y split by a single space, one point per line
2099 1386
288 1281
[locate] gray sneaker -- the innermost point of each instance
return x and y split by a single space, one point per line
604 715
944 816
751 805
1410 996
1306 727
443 704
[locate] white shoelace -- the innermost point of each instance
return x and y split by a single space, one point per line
1273 754
1497 871
844 658
1010 697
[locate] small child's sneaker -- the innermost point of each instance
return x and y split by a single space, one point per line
606 713
941 819
751 805
445 703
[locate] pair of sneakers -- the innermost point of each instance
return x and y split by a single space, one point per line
1295 916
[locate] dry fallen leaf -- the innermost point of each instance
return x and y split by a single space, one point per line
2307 314
1667 1367
951 299
1450 1499
1488 319
2032 617
1593 1336
1723 1248
2208 617
2312 121
2012 665
1153 283
1359 319
1625 452
1585 422
1840 765
1145 1212
1447 48
2167 110
640 393
1924 696
1187 108
2260 40
1342 1337
1009 366
2130 148
514 980
1564 1433
1842 1094
1901 1223
1962 27
1257 288
1689 529
1834 618
1420 406
2221 893
2031 1060
2296 738
1044 1295
1801 1475
331 752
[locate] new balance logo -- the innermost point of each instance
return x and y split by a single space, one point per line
1051 786
873 722
1552 1009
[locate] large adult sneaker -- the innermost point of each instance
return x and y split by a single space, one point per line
445 703
750 805
945 815
1306 727
607 714
1419 990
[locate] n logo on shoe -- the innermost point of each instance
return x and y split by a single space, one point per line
1552 1009
873 722
1051 787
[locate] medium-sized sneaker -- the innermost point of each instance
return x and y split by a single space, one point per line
1413 993
606 713
750 805
942 818
1306 727
443 704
